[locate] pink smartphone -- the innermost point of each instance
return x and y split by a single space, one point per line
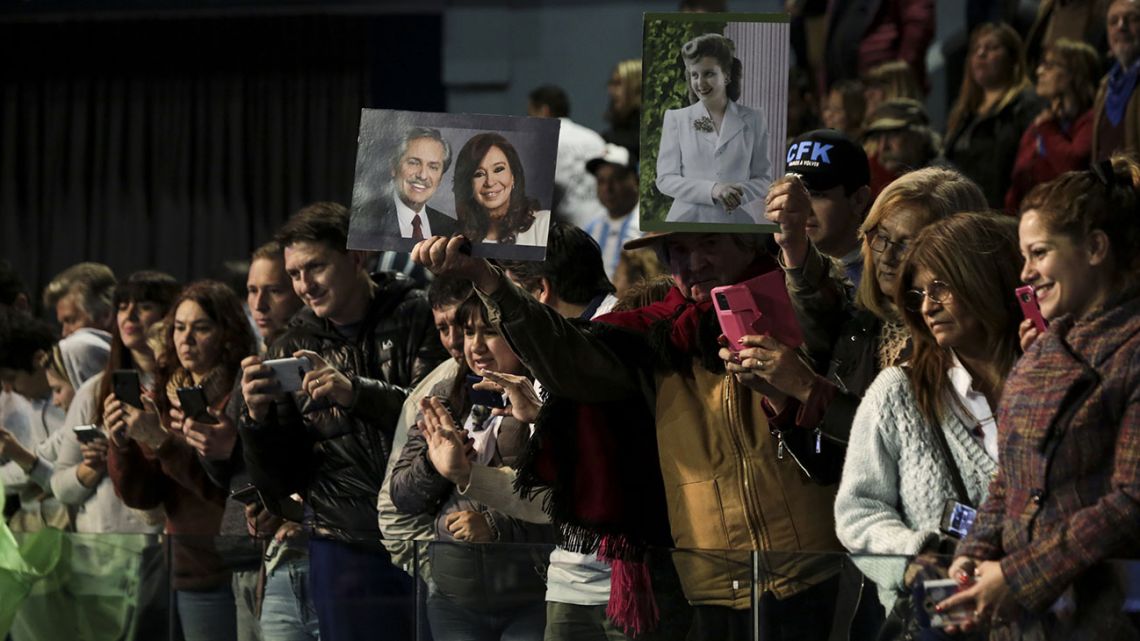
1027 297
757 306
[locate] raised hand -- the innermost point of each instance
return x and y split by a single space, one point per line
524 403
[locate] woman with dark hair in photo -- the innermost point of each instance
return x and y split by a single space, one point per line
995 105
924 432
154 451
491 202
1065 500
714 153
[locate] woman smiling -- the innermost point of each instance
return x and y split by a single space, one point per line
491 201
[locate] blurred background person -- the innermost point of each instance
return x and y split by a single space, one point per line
1116 125
899 139
80 297
995 105
624 112
1080 236
575 193
1060 138
888 81
617 180
844 108
864 33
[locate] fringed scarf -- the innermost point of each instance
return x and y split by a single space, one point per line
600 461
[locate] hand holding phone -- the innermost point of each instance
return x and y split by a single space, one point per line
937 591
290 372
127 387
194 404
246 495
483 397
87 433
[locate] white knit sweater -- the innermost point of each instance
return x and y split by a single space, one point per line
895 482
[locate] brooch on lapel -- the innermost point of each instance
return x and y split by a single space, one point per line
704 123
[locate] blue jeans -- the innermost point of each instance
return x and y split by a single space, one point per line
207 615
287 611
358 594
453 622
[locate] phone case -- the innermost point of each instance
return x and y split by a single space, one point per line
933 593
127 387
193 401
1027 298
759 305
290 372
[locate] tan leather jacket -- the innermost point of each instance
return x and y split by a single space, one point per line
728 491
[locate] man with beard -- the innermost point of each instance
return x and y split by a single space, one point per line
1117 110
401 217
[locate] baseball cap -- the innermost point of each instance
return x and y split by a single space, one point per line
825 158
614 155
897 113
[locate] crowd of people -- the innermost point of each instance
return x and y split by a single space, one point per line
476 449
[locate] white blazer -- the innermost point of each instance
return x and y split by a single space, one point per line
690 162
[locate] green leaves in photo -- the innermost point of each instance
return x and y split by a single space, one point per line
663 87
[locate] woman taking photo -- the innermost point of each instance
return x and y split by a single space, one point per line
153 459
1065 498
995 105
714 153
1060 139
491 202
925 433
485 591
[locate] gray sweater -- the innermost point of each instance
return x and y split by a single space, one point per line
895 483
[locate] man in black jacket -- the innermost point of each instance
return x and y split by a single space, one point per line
369 341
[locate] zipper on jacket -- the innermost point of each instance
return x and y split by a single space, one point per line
751 511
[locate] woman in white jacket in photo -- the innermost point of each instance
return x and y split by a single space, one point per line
713 156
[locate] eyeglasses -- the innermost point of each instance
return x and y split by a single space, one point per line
880 242
937 291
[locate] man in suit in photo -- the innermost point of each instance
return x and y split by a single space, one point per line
402 217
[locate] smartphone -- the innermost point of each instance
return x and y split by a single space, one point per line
290 372
246 495
759 305
87 433
1027 298
483 397
937 591
957 519
194 405
127 387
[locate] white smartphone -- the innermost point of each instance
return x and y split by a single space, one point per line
290 372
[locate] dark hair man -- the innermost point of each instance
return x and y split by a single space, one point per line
571 280
401 217
616 174
575 200
369 340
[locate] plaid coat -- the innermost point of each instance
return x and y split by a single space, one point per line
1067 495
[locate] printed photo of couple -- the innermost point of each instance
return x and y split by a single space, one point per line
715 88
489 178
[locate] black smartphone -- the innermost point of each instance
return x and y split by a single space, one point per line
483 397
246 495
957 519
127 387
87 433
193 402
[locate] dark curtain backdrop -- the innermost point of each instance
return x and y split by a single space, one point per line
177 144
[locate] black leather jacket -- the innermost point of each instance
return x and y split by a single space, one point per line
335 457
